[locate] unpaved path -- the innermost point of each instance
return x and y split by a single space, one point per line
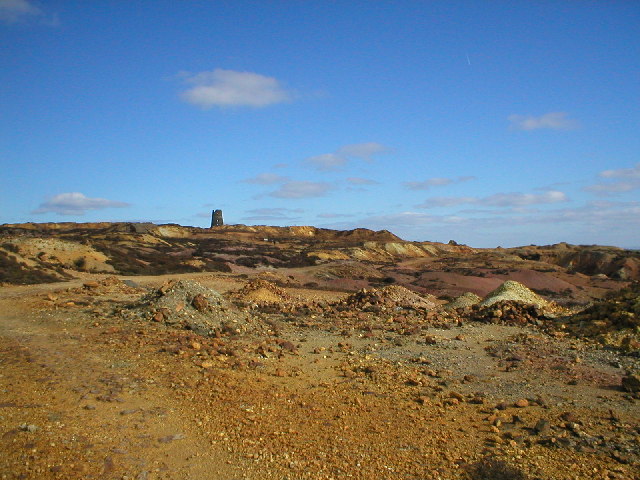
98 412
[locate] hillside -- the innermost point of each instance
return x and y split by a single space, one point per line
347 260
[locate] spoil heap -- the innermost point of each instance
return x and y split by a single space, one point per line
509 312
388 298
107 285
615 319
511 303
189 305
261 292
465 300
515 292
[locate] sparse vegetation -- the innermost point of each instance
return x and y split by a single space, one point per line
19 273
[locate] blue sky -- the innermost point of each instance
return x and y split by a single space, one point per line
491 123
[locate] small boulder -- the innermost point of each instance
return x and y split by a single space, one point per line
631 383
200 303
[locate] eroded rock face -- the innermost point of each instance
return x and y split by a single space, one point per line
613 262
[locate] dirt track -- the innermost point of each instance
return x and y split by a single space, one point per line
89 393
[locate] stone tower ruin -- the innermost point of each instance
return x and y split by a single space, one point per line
216 218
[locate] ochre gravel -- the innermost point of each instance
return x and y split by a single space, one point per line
92 388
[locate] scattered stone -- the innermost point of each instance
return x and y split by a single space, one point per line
457 396
200 303
171 438
631 383
521 403
569 417
25 427
542 426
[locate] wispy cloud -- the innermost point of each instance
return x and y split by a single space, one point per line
364 151
629 173
436 182
327 161
76 204
229 88
503 200
551 121
17 11
338 159
400 219
273 214
334 215
12 11
361 181
266 179
301 189
624 180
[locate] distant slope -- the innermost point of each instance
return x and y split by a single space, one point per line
306 255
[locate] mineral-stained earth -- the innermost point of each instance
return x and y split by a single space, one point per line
138 351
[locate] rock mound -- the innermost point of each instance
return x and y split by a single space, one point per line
463 301
509 312
618 310
107 285
392 296
615 319
190 305
513 291
262 292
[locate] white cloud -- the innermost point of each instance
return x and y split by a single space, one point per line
503 200
434 202
605 223
301 189
436 182
76 204
612 188
365 151
633 172
361 181
228 88
628 180
342 156
552 121
13 11
523 199
266 179
327 161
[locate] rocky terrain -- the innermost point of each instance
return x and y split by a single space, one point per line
137 351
